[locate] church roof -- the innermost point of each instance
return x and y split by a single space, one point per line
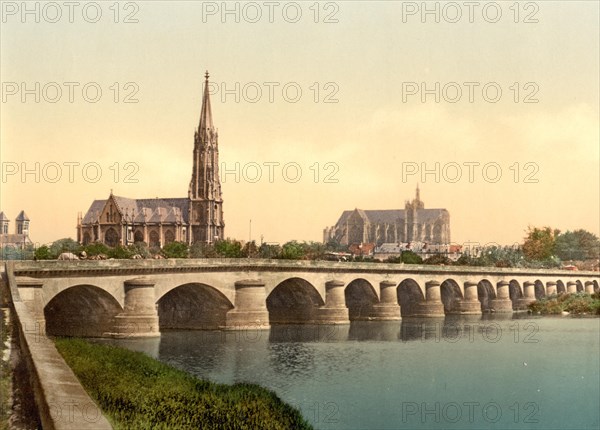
167 210
206 122
22 216
391 216
14 239
3 217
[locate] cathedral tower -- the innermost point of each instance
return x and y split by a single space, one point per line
206 202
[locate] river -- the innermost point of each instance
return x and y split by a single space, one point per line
500 372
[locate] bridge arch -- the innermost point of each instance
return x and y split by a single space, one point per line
560 287
579 286
193 306
410 295
81 310
293 301
596 287
360 297
485 293
540 290
451 295
515 292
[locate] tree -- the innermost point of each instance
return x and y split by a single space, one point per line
577 245
65 245
175 250
539 243
292 251
96 248
43 253
410 257
228 248
267 250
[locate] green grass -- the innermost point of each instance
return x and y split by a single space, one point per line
574 303
136 391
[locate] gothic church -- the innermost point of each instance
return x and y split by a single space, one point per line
197 218
414 223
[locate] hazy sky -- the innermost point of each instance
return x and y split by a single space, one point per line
369 78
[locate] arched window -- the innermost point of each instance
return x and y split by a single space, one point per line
169 237
111 237
154 239
138 236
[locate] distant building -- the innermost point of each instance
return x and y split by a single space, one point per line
414 223
20 238
195 218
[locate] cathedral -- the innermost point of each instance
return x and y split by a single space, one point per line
197 218
412 224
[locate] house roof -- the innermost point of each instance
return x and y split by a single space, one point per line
3 217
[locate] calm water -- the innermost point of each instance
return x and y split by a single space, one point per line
526 373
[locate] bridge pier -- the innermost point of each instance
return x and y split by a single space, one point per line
571 287
470 305
388 308
589 287
550 288
335 310
30 290
502 302
140 317
250 310
528 295
432 307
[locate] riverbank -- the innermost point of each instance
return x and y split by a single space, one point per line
136 391
573 303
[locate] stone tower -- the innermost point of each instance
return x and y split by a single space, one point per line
206 202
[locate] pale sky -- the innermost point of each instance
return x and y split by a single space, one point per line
541 158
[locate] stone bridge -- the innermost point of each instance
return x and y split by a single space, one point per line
142 297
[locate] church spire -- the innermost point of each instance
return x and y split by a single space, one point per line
418 193
206 122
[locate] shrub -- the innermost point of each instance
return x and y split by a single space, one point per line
175 250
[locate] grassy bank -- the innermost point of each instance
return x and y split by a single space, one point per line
574 303
137 392
5 371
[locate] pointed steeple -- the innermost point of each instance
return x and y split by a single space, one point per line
418 193
206 122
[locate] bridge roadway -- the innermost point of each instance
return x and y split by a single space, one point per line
139 298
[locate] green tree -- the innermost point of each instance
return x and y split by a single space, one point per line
577 245
43 253
96 248
120 252
292 250
65 245
175 250
228 248
267 250
141 249
539 243
250 250
409 257
203 250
